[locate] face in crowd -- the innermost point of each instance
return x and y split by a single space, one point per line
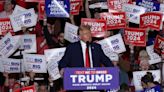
8 6
85 33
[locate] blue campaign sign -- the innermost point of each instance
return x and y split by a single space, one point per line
57 8
150 5
153 89
91 78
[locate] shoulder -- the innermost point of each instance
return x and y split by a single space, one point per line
96 45
75 44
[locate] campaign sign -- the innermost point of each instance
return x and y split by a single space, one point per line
152 20
18 9
11 65
135 36
117 4
5 26
41 8
54 54
27 18
133 12
70 32
35 63
75 7
27 89
57 8
159 44
98 26
115 20
29 43
91 78
150 5
8 45
137 75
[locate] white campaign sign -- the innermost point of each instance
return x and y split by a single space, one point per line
35 63
27 18
1 65
53 70
8 45
133 12
29 43
70 32
18 9
11 65
139 74
113 45
54 54
154 57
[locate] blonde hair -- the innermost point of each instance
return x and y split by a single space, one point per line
143 55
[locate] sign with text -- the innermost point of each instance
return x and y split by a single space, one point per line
117 4
35 63
150 5
18 9
27 18
98 26
154 57
8 45
41 8
133 12
75 7
11 65
91 78
29 43
70 32
54 54
27 89
115 20
57 8
135 36
137 75
152 20
5 26
159 44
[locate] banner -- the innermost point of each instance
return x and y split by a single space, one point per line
137 75
57 8
29 43
135 36
75 7
35 63
91 78
116 20
159 44
117 4
5 26
154 57
133 12
98 26
150 5
8 45
70 32
152 20
27 18
27 89
18 9
41 11
10 65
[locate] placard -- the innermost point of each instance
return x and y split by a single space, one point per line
75 7
135 36
35 63
27 18
133 12
70 32
117 4
116 20
57 8
150 5
137 75
5 26
159 44
98 26
18 9
27 89
91 78
152 20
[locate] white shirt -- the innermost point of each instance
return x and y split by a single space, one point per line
83 45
